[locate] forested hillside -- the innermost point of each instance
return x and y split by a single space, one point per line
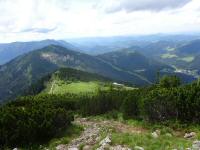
41 117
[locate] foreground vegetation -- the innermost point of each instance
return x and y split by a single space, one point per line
37 119
139 133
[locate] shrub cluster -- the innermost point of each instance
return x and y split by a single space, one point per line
29 120
167 100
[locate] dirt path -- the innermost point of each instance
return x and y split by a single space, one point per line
91 135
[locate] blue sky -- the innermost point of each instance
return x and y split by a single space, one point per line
25 20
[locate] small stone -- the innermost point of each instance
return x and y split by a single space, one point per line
15 148
105 141
158 132
154 135
196 145
61 147
119 147
188 149
138 148
72 148
189 135
87 147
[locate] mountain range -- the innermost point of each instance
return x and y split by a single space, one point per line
8 51
23 64
24 70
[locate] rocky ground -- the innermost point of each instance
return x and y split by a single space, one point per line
92 137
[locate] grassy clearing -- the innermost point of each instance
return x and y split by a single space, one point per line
167 55
80 87
145 140
188 59
170 49
62 87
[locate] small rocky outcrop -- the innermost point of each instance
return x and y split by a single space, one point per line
155 134
196 145
138 148
190 135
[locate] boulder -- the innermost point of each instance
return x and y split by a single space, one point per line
196 145
138 148
190 135
119 147
87 147
72 148
158 132
105 141
61 147
154 134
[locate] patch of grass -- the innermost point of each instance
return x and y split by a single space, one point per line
188 59
171 134
62 87
167 55
146 141
170 49
71 133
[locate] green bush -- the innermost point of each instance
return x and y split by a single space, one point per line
160 105
188 103
31 122
130 106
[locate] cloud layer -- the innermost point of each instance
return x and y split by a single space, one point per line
22 20
138 5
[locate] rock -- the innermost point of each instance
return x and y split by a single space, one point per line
61 147
189 135
84 119
119 147
138 148
154 135
72 148
104 147
188 149
105 141
91 141
87 147
15 148
196 145
158 132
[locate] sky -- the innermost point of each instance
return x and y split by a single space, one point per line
26 20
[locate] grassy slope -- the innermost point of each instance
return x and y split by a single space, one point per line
170 137
77 87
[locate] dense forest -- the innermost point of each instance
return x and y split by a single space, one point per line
36 119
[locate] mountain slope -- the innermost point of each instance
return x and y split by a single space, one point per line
192 48
9 51
21 72
136 63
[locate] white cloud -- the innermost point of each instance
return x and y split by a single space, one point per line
137 5
22 20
